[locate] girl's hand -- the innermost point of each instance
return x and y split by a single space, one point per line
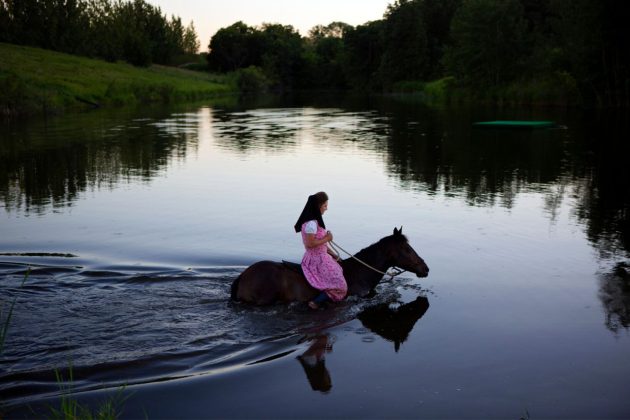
329 236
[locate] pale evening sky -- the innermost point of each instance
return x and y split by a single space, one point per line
211 15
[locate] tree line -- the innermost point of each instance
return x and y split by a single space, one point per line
571 50
133 31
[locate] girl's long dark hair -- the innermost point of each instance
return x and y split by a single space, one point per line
312 210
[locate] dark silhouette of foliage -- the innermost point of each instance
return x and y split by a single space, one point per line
363 54
235 47
134 31
282 58
437 16
489 42
405 54
277 49
573 50
325 56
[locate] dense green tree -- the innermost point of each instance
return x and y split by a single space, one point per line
5 21
237 46
282 58
363 48
537 14
277 49
615 56
576 45
332 30
327 56
133 30
27 18
405 41
590 38
190 43
437 16
106 32
136 43
489 43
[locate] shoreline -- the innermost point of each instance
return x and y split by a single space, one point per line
38 82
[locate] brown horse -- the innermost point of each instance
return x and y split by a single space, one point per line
267 282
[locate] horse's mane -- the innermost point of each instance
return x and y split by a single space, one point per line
372 251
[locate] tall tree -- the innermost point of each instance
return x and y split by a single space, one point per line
133 30
327 46
489 42
282 58
237 46
190 41
364 48
405 43
5 21
332 30
437 16
591 38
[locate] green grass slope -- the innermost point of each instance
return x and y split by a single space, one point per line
34 81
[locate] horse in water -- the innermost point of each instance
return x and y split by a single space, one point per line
268 282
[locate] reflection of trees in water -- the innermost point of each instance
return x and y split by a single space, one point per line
282 129
603 205
438 152
485 167
587 164
603 199
51 164
433 152
274 129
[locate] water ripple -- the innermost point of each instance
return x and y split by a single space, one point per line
129 324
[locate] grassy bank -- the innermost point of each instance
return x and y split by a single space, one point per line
37 81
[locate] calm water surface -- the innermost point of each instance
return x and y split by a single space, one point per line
134 225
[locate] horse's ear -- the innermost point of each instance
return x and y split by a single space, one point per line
396 232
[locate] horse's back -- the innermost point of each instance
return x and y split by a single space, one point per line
267 282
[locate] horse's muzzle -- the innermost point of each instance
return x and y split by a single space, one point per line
422 272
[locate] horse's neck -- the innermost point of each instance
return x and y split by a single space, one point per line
357 273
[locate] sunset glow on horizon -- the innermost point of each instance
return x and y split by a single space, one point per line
209 16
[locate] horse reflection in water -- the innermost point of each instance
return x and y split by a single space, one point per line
394 324
391 324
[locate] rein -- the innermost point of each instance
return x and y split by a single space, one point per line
393 274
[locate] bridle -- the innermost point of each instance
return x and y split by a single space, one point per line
395 270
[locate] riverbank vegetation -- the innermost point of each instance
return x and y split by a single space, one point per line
61 55
500 51
130 30
550 52
37 81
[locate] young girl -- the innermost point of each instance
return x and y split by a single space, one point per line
319 265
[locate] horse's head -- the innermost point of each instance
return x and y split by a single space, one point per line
402 255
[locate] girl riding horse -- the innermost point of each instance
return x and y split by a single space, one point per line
319 263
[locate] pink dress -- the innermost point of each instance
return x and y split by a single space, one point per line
321 270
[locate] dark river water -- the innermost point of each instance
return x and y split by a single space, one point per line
134 224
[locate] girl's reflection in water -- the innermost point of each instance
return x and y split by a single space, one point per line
313 360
